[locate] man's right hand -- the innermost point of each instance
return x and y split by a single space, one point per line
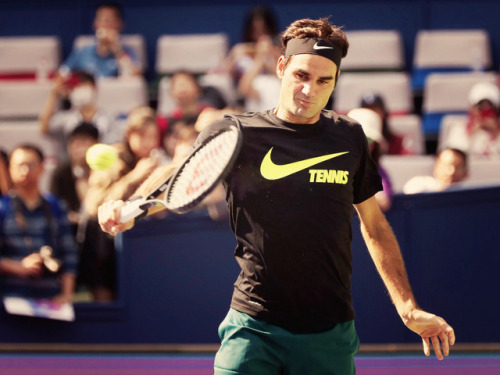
31 266
108 216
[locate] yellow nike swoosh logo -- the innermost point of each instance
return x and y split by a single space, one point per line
271 171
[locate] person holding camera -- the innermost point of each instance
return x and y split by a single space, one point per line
38 255
81 90
107 56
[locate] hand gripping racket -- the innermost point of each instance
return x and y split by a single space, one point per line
205 167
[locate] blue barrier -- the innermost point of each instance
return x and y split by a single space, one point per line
176 277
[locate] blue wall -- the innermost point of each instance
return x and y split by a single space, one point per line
176 278
153 18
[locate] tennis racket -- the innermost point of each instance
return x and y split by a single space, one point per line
202 170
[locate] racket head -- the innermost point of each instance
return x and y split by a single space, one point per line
206 166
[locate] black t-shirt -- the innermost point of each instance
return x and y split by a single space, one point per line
290 195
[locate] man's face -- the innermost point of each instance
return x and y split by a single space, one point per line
485 115
184 89
77 149
307 84
108 19
143 141
450 167
25 169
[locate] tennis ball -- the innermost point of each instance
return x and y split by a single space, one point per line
101 157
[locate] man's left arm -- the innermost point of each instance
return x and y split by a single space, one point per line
384 250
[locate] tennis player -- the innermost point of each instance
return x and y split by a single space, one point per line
301 174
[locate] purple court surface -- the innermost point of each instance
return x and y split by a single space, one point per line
190 364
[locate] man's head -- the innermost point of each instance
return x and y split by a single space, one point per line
308 68
450 167
484 100
184 88
83 90
80 140
142 133
108 16
26 166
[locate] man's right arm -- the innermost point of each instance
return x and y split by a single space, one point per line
109 212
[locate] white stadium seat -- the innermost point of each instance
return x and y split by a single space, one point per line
197 53
394 87
374 50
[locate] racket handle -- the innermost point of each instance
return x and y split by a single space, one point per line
133 209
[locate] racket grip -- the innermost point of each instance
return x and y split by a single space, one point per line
133 209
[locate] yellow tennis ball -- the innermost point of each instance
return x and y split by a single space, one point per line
101 157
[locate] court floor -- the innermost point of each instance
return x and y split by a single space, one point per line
201 364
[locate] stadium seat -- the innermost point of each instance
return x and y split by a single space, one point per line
23 99
447 93
374 50
23 57
452 132
410 128
394 87
134 41
197 53
120 95
402 168
440 51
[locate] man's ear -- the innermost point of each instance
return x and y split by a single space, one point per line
280 67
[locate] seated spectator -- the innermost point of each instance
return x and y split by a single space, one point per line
450 168
395 144
70 179
82 93
479 133
190 99
483 127
259 86
28 222
372 126
5 182
107 57
260 24
138 157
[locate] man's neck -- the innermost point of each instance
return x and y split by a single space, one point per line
30 196
88 112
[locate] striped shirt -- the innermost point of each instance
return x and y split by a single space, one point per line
41 229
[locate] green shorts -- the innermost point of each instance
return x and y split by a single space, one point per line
254 347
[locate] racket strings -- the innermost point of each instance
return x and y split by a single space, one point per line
203 169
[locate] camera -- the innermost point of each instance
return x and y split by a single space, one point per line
51 264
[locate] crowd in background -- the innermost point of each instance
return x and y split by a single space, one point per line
65 219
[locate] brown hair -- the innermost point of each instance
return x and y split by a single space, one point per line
321 28
138 118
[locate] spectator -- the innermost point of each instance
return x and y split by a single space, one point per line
107 57
259 85
29 221
450 169
70 179
395 144
138 156
82 93
190 99
483 127
372 126
174 134
479 133
260 25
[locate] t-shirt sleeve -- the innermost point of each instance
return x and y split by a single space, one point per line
367 181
